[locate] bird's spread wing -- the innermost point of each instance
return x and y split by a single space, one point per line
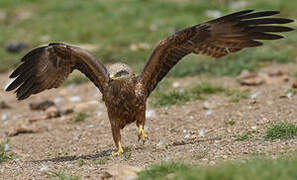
47 67
215 38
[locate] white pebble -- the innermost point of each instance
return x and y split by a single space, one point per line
201 132
254 127
75 99
150 113
44 168
254 95
57 99
6 147
161 143
208 112
99 113
187 136
176 84
289 95
4 116
90 125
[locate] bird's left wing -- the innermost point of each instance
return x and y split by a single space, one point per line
215 38
47 67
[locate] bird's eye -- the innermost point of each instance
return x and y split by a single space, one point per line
121 73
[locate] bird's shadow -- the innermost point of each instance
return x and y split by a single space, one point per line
109 151
74 157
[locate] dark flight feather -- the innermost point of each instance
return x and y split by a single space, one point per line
215 38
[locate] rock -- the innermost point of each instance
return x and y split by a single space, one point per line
208 105
150 113
75 99
15 47
50 112
106 175
21 130
176 84
208 112
255 95
4 116
44 105
4 105
44 168
250 79
294 84
201 132
122 172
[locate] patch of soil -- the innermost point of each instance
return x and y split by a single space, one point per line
189 133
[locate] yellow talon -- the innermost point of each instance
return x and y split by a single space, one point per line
141 133
119 152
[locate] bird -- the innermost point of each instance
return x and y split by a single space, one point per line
124 92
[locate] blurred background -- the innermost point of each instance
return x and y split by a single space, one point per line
127 31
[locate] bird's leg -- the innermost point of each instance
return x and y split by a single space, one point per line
117 140
141 134
140 124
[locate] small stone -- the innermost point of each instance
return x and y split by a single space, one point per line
289 95
58 99
44 168
150 113
294 84
161 143
254 128
15 47
75 99
176 84
99 113
201 132
6 147
187 136
254 95
4 116
4 105
90 125
208 112
41 105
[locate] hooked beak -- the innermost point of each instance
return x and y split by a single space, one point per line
112 77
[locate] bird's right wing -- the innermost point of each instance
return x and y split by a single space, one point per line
47 67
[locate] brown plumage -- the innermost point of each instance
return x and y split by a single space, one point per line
125 93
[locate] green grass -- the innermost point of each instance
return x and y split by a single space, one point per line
168 98
79 117
4 155
164 97
102 160
243 137
61 175
260 169
281 130
76 79
115 25
236 95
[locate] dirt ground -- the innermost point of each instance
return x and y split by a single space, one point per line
197 132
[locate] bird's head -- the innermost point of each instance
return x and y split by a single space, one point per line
119 72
